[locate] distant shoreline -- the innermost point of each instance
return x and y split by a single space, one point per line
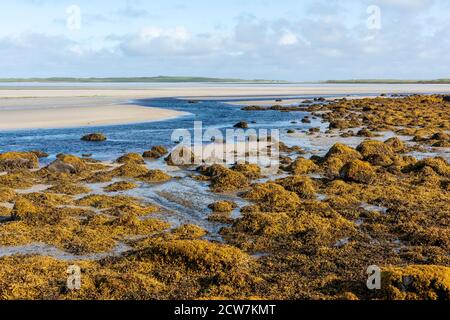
206 80
159 79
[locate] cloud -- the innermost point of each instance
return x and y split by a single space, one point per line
311 47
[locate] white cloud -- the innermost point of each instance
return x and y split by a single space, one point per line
288 39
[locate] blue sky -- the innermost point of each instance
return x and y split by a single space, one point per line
270 39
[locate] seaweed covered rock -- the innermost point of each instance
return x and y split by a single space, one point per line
223 206
11 161
94 137
342 152
69 189
106 202
201 255
155 153
396 144
120 186
376 152
189 232
128 170
133 158
332 166
416 282
438 164
40 154
358 171
228 180
7 194
250 170
181 156
302 166
241 125
304 187
213 170
23 209
271 197
155 176
67 163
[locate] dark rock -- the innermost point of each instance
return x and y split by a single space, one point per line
94 137
241 125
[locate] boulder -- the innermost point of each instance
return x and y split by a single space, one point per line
155 153
302 166
343 153
134 158
94 137
416 282
376 152
11 161
358 171
396 144
241 125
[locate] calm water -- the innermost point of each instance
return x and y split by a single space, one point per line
141 137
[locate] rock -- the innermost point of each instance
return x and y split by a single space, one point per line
181 156
228 180
358 171
376 152
416 282
365 133
446 98
94 137
59 166
340 124
396 144
11 161
189 232
438 164
131 158
343 153
129 170
155 176
23 209
306 120
250 170
302 166
241 125
271 197
303 186
40 154
121 186
155 153
66 163
291 131
223 206
254 108
440 136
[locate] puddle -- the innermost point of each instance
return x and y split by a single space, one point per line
35 188
371 207
51 251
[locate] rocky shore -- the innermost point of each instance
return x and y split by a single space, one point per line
309 232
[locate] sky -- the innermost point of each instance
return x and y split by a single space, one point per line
295 40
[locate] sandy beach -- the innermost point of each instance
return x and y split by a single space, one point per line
59 107
59 112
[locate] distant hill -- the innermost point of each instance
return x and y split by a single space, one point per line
390 81
141 80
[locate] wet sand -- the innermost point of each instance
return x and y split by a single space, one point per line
59 107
